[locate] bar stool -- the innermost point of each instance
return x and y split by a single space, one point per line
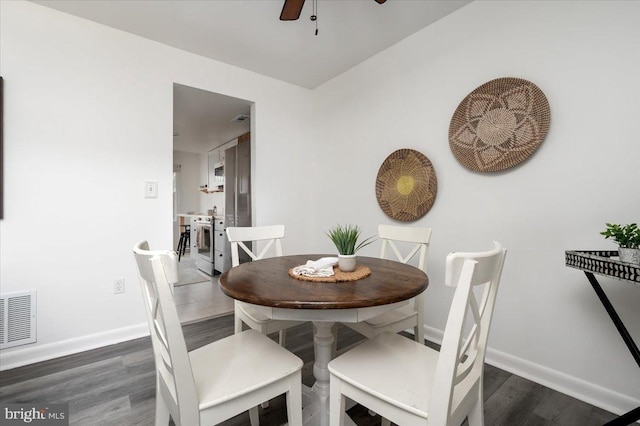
185 240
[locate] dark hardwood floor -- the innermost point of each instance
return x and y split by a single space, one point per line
115 385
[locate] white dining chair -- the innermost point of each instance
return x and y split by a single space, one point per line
245 314
219 380
408 383
405 243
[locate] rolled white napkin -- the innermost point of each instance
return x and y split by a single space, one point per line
322 267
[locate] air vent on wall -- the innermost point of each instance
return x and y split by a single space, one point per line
17 319
240 118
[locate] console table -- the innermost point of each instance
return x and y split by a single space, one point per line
607 264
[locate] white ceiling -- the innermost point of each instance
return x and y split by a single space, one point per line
200 117
249 34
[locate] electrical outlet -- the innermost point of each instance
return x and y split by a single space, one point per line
118 286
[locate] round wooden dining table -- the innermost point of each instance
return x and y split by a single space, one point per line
267 285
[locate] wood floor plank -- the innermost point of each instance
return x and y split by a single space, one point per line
111 412
513 403
563 409
115 385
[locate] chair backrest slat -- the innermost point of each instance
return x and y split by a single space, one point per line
246 250
390 235
157 269
270 236
462 354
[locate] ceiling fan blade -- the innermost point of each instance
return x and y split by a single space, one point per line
380 1
291 10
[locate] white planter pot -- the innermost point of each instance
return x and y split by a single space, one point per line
629 255
347 262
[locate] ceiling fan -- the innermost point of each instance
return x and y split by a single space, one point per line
292 8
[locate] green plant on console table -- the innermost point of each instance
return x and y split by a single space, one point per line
626 236
346 237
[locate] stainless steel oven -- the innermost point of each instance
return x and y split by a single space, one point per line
204 244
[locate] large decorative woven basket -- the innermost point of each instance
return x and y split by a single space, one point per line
406 185
499 124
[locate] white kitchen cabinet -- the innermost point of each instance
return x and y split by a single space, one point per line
215 166
221 246
193 240
213 159
204 172
216 173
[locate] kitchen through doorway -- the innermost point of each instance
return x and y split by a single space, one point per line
203 123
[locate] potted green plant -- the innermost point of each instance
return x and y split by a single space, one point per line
345 239
628 239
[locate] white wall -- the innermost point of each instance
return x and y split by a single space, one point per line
88 118
187 182
88 114
585 56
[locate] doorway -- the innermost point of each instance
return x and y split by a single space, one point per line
202 121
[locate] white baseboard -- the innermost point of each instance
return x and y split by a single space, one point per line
590 393
29 354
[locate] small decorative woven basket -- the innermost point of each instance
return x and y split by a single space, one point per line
406 185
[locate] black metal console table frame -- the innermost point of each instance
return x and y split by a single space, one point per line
601 262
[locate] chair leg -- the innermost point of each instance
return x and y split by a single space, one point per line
336 403
294 401
184 244
418 334
162 411
238 325
419 328
476 415
254 418
282 337
265 404
180 246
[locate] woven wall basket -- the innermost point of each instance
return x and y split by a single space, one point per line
499 125
406 185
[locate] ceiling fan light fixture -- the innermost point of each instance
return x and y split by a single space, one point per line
291 10
314 16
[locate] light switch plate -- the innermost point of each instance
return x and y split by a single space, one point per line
151 189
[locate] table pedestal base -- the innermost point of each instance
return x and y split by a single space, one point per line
315 400
312 412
